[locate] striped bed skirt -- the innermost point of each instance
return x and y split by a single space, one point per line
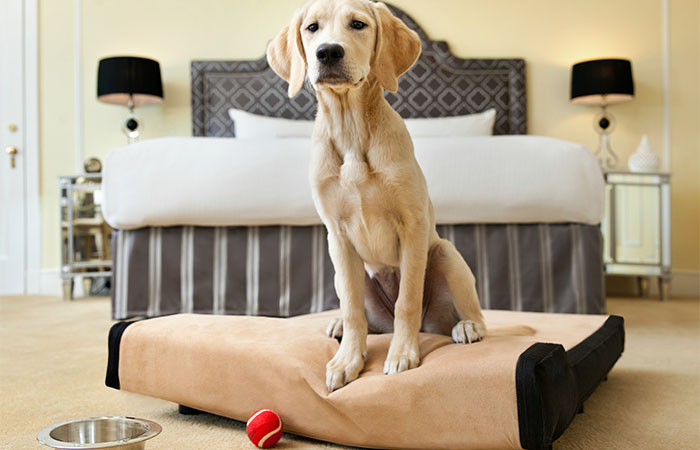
284 271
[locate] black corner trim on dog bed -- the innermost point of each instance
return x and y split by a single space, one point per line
113 344
552 384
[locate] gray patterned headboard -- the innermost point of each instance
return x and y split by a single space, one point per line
438 85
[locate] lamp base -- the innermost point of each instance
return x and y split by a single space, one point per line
604 124
132 127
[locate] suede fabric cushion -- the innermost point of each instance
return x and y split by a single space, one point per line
461 396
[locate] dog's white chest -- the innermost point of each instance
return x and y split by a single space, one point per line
367 214
354 171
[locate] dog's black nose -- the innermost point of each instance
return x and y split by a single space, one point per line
330 54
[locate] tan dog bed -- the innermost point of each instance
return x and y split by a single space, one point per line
509 391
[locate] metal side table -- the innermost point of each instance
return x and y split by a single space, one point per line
637 227
85 237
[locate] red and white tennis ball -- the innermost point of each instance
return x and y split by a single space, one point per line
264 428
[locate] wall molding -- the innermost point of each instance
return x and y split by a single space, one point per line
78 82
666 82
49 282
45 282
32 195
685 283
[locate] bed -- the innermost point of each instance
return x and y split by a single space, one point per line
200 228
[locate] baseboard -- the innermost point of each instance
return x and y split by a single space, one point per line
685 283
49 282
44 282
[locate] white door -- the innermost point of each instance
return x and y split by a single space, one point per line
12 139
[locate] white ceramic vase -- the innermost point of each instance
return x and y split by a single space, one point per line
644 159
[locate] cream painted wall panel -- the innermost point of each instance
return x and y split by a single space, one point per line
56 116
174 33
685 121
553 36
549 34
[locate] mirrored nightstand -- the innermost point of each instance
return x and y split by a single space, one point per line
637 227
85 237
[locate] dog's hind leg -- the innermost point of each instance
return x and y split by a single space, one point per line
450 278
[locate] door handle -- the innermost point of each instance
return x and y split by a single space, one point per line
11 151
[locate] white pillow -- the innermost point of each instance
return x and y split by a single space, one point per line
480 124
247 125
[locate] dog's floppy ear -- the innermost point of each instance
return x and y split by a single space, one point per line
286 56
396 49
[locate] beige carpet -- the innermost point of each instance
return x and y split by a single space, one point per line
53 358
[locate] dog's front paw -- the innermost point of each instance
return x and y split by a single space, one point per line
402 356
335 328
466 332
344 368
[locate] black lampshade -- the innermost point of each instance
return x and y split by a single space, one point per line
602 81
122 77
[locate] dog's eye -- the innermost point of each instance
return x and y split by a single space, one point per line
356 24
313 27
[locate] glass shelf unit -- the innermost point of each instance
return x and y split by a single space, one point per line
85 237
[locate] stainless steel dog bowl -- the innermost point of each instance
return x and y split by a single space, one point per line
126 433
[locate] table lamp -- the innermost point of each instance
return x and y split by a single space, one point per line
129 81
603 82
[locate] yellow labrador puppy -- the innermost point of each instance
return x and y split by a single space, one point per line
393 273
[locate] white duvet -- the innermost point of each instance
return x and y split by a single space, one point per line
224 181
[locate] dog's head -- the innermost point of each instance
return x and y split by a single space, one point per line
341 43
